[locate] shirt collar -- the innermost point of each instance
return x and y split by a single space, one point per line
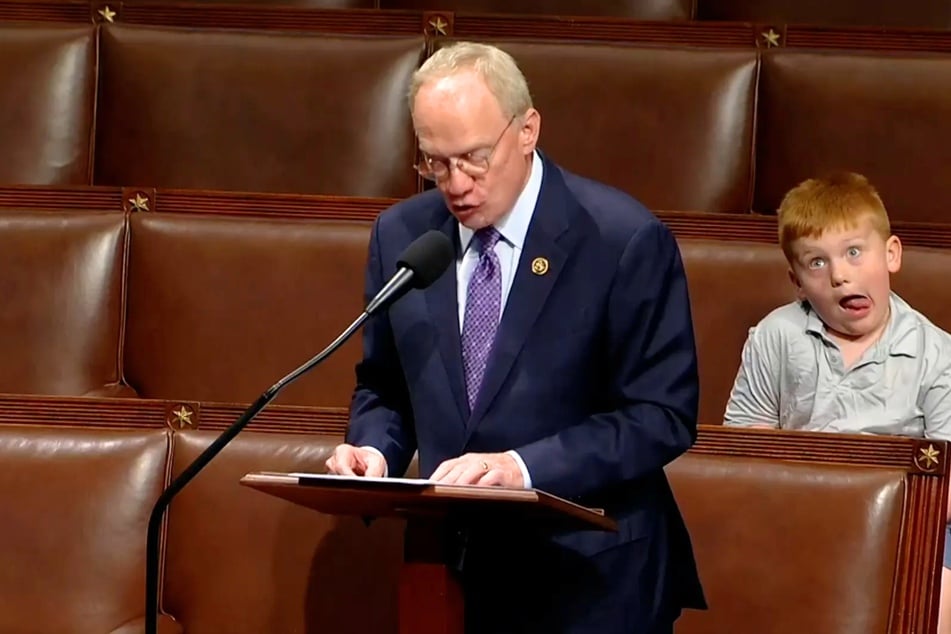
898 338
513 226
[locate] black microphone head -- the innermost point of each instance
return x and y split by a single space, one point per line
427 257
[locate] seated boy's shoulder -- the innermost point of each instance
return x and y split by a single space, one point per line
933 340
782 323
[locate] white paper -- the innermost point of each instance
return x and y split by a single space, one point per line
420 482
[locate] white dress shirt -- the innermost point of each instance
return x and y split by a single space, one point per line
513 227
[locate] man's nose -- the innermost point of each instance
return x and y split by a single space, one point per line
458 183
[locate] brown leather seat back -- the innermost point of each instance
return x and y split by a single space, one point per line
48 74
648 130
256 111
934 14
61 314
825 110
220 308
732 286
266 565
787 548
76 508
923 283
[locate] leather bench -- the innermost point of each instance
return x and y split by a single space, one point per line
813 532
783 524
217 305
692 118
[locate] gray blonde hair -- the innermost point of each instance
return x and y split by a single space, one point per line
496 67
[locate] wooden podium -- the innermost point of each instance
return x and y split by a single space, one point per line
430 599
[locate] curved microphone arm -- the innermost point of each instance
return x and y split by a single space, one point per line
158 511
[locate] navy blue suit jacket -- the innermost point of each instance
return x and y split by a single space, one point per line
592 379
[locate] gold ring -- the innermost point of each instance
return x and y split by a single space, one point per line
485 465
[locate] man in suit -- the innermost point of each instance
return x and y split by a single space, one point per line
557 353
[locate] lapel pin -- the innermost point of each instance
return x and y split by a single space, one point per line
540 266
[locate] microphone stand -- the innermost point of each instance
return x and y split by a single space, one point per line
158 511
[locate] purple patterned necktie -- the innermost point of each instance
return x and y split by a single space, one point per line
483 304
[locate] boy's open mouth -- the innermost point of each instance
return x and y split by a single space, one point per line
855 302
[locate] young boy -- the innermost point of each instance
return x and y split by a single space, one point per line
849 356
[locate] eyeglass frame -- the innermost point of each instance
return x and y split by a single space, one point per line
458 161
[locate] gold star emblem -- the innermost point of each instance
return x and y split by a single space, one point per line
107 13
929 455
182 417
771 37
438 25
139 203
539 266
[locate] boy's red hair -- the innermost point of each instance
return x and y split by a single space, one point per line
835 202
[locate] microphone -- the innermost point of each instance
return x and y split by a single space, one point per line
420 264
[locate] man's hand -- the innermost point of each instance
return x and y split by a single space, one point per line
486 469
350 460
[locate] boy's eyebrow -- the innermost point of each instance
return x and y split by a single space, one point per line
809 254
809 249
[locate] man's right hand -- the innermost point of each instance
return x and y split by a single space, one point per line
350 460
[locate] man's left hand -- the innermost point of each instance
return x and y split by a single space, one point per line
485 469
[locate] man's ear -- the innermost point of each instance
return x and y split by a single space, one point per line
795 282
893 254
528 132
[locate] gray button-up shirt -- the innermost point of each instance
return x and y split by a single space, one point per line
792 377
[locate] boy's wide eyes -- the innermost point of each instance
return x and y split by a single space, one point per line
818 263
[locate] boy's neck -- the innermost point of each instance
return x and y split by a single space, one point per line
854 348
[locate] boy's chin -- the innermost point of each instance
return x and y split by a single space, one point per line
854 330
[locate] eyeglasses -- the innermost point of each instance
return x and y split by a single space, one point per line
473 164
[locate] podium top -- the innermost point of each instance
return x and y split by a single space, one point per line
409 498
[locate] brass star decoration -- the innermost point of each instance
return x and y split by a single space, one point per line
139 203
438 25
182 417
771 37
929 455
107 13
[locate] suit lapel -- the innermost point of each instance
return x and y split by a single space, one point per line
548 238
442 301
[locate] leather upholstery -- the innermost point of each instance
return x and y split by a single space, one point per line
253 111
221 308
217 308
650 135
48 77
72 535
62 301
240 561
243 562
681 126
637 9
829 110
782 545
934 14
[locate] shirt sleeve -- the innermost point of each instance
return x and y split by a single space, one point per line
754 399
936 404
